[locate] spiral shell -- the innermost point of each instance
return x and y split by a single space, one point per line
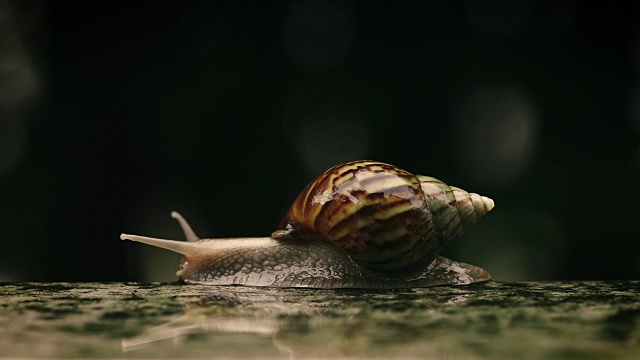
388 220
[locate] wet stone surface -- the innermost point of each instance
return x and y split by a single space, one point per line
541 320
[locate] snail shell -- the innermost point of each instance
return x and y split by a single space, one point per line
387 219
362 224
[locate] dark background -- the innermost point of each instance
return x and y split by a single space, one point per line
112 114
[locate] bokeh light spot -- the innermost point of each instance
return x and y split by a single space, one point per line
317 35
13 140
495 133
17 78
329 136
499 243
325 131
18 82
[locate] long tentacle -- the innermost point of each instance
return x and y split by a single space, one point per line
182 247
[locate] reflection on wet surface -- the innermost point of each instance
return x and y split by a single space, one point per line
503 320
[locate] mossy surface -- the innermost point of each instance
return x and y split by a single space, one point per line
546 320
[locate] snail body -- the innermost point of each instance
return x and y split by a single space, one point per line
362 224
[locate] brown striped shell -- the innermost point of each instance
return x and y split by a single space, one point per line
388 220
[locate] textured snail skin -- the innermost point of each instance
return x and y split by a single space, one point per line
314 263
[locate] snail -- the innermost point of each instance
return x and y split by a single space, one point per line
362 224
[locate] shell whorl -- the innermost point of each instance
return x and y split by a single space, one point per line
452 209
388 220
